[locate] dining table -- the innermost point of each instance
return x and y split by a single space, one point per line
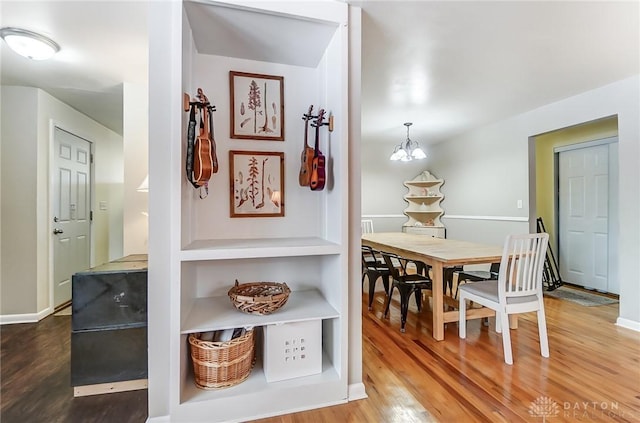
439 254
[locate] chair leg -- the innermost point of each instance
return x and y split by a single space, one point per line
388 303
418 294
506 338
542 332
385 283
373 278
405 294
462 320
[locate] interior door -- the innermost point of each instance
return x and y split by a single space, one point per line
71 211
584 216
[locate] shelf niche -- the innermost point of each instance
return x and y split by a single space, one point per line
307 44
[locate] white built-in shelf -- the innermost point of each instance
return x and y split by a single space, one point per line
216 313
220 249
256 384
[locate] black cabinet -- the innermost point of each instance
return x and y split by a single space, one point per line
109 323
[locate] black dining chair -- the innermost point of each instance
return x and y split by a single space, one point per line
407 285
374 268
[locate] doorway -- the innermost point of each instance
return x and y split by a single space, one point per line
71 193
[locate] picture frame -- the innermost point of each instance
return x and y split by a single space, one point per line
257 106
256 183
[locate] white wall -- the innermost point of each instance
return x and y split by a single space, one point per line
26 222
136 159
18 280
382 182
487 171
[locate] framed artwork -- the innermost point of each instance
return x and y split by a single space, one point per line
257 183
257 109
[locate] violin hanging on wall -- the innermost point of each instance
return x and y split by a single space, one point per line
317 180
306 158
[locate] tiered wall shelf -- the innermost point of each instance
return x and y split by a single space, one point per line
206 250
424 209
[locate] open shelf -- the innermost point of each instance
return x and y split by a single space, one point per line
424 184
256 384
422 214
220 249
215 313
424 198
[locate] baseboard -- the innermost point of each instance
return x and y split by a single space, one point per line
9 319
160 419
107 388
628 324
356 391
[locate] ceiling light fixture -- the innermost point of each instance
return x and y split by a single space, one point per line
408 150
29 44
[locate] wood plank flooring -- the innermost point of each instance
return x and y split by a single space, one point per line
35 380
593 374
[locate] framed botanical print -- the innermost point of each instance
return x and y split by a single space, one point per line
257 183
257 109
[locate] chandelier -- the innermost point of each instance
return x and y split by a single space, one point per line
407 150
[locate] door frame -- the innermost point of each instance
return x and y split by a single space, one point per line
613 216
53 124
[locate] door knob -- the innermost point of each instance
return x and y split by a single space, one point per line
58 231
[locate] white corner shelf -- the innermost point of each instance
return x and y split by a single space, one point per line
423 210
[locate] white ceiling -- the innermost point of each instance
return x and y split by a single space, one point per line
103 44
447 66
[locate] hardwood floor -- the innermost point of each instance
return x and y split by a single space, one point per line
593 374
35 381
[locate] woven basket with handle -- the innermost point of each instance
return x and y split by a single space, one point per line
259 297
222 364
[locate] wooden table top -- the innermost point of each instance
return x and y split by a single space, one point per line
448 251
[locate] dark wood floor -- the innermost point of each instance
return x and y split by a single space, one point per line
35 380
593 374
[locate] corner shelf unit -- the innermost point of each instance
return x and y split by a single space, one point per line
424 209
199 250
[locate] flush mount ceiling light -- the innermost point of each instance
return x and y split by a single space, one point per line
29 44
408 150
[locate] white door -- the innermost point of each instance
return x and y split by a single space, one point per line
584 216
71 211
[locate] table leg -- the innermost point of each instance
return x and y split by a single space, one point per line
438 306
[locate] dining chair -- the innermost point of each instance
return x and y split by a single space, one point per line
466 276
374 268
366 225
518 289
406 283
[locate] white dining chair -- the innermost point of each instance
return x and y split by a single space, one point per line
366 226
517 290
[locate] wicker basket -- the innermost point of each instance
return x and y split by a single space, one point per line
222 364
259 297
